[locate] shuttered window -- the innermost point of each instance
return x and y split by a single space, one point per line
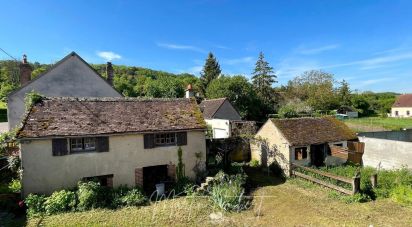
59 147
89 144
165 139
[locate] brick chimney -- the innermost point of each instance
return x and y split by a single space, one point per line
109 73
189 92
25 71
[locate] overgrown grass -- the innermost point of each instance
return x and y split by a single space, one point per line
285 204
378 123
393 184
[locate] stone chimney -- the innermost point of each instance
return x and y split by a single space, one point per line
189 92
25 71
109 73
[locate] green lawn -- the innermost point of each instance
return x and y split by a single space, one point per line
293 203
378 123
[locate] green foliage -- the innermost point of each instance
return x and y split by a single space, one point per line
402 194
211 70
263 78
35 205
254 163
32 98
15 186
287 111
184 186
344 94
180 168
314 87
241 95
60 201
88 194
228 192
133 197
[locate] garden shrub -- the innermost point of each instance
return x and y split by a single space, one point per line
15 186
183 185
35 204
88 195
254 163
227 192
60 201
134 197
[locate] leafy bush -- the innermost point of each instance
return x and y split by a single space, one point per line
134 197
60 201
88 195
35 204
288 112
402 194
227 191
228 194
15 186
254 163
183 185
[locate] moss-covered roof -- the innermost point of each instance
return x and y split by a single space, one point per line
54 117
306 131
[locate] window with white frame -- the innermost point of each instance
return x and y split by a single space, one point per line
396 113
82 144
164 139
408 113
76 144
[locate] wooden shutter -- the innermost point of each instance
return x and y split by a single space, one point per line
59 147
148 141
102 144
181 138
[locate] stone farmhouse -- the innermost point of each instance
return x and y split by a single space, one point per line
306 141
70 77
120 141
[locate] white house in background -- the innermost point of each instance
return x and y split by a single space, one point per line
402 106
219 114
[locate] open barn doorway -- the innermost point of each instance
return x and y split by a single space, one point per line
153 175
317 154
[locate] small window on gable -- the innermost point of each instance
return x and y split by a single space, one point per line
301 153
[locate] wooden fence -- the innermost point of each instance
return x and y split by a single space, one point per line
354 181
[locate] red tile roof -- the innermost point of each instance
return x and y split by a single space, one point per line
54 117
403 101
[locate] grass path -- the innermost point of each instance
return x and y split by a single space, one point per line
378 124
287 204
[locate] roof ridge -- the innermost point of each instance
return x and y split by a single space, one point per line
109 99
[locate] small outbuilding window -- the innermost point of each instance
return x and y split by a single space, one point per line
301 153
408 113
396 113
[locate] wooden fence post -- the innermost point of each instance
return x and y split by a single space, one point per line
374 180
355 184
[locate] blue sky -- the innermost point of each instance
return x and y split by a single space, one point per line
368 43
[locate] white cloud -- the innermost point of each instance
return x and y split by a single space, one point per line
108 55
375 62
316 50
180 47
